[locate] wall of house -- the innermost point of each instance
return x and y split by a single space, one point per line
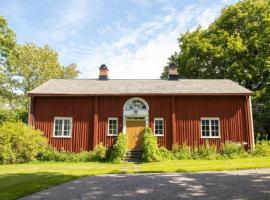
232 111
90 116
79 108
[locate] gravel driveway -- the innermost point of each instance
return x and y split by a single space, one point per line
244 184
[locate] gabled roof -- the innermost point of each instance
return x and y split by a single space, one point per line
91 87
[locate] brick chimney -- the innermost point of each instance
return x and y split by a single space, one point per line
173 74
103 72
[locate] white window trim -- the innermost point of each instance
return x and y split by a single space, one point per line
71 126
112 118
210 131
158 135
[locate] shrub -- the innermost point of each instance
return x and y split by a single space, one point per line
13 116
120 149
51 154
262 148
20 143
165 154
182 151
205 151
233 150
99 153
150 147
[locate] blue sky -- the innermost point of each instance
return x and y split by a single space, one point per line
133 38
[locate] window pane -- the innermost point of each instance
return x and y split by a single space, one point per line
112 127
58 127
159 130
210 127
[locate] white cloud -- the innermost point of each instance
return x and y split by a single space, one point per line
67 21
149 58
142 52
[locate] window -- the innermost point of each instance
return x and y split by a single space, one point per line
62 127
210 128
159 126
112 126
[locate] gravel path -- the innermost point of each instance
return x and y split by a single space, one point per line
243 184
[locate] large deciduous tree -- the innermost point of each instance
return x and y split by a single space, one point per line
235 46
7 44
29 66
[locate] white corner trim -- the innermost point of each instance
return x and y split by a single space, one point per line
252 127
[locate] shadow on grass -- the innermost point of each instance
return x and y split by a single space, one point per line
164 186
13 186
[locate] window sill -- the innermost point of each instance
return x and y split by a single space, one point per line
210 137
159 135
62 137
112 135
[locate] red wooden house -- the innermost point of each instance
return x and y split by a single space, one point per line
79 114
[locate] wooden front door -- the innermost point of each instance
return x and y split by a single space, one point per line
135 130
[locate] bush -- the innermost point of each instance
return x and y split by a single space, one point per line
20 143
150 147
205 151
99 153
165 154
233 150
262 148
51 154
13 116
182 152
120 149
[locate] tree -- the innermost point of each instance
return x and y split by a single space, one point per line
7 44
235 46
29 66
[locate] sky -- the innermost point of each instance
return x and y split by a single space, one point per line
134 38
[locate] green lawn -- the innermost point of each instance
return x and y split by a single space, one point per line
22 179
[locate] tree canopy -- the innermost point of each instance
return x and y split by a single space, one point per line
24 67
30 65
235 46
7 44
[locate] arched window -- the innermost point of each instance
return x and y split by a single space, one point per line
136 104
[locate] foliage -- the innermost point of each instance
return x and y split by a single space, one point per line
7 44
29 66
51 154
205 151
20 143
120 148
165 154
182 151
99 153
7 39
150 146
13 116
233 150
262 148
235 46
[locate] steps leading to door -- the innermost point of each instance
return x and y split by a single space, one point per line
134 156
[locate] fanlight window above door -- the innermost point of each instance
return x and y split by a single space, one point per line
135 104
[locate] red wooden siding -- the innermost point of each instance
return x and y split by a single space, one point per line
81 111
90 117
231 111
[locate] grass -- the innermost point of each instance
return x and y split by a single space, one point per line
22 179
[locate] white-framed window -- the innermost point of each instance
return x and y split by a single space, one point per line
210 127
112 126
62 127
158 126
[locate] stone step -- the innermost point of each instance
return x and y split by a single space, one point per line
134 156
